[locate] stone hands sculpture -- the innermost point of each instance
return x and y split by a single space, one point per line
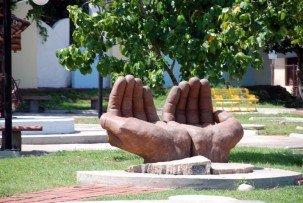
133 125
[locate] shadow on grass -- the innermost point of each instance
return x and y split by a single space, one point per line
33 153
265 156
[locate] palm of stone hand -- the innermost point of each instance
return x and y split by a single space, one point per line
190 103
133 125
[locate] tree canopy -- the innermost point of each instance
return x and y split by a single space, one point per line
206 38
280 22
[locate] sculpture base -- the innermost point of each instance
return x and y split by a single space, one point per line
259 178
9 153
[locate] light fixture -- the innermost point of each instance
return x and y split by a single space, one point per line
40 2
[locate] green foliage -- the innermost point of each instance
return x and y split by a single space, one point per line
278 23
206 38
50 13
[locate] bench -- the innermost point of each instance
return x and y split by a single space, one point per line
34 101
235 97
93 101
16 136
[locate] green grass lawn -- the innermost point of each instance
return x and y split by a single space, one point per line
34 173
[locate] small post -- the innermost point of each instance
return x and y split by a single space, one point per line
100 96
8 76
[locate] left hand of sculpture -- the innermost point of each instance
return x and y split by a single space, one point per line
133 125
214 134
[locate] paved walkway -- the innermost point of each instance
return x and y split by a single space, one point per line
76 193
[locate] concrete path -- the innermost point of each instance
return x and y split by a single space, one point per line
270 141
247 141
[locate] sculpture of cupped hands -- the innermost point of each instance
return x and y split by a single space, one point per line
189 127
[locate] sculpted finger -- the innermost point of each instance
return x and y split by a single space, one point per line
192 113
221 116
169 109
116 97
181 106
149 106
127 102
205 103
138 102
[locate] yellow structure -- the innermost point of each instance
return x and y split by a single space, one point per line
234 97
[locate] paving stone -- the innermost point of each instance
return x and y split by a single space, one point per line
296 135
299 128
277 119
253 127
250 132
197 165
230 168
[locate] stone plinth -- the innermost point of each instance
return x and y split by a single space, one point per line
197 165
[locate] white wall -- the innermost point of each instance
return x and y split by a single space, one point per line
50 72
36 65
24 67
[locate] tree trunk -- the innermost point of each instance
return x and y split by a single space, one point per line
170 72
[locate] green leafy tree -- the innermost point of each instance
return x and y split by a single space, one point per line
277 25
205 37
50 13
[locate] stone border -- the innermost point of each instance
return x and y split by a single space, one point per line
259 178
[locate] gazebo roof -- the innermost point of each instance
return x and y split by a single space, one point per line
17 26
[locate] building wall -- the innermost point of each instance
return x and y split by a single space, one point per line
24 68
279 71
264 76
36 65
50 72
279 61
258 77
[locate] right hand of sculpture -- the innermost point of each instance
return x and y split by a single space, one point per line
213 134
132 124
